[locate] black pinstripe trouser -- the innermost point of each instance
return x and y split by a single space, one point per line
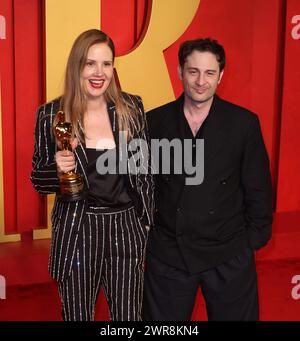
111 254
229 290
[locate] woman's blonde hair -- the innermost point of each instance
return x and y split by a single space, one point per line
73 100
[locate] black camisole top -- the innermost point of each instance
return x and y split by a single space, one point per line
107 190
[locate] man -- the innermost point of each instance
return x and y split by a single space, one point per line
206 234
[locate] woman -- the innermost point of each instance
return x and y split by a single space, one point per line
100 240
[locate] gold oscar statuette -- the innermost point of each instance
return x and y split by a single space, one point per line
71 183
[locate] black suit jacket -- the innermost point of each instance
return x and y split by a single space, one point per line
200 226
67 218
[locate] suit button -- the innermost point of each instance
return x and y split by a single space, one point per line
223 182
211 211
178 209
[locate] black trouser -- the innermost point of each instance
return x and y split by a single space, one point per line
110 253
229 290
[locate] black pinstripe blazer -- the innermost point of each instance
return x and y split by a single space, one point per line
67 218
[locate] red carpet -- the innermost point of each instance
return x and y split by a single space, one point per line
40 302
32 296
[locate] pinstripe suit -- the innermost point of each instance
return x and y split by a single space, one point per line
73 222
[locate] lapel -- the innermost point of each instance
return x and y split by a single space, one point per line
170 124
214 132
111 109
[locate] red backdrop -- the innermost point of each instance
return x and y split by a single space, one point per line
21 71
289 162
262 73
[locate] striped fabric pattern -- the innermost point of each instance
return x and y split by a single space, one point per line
110 253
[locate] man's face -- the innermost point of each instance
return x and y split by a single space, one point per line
200 76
